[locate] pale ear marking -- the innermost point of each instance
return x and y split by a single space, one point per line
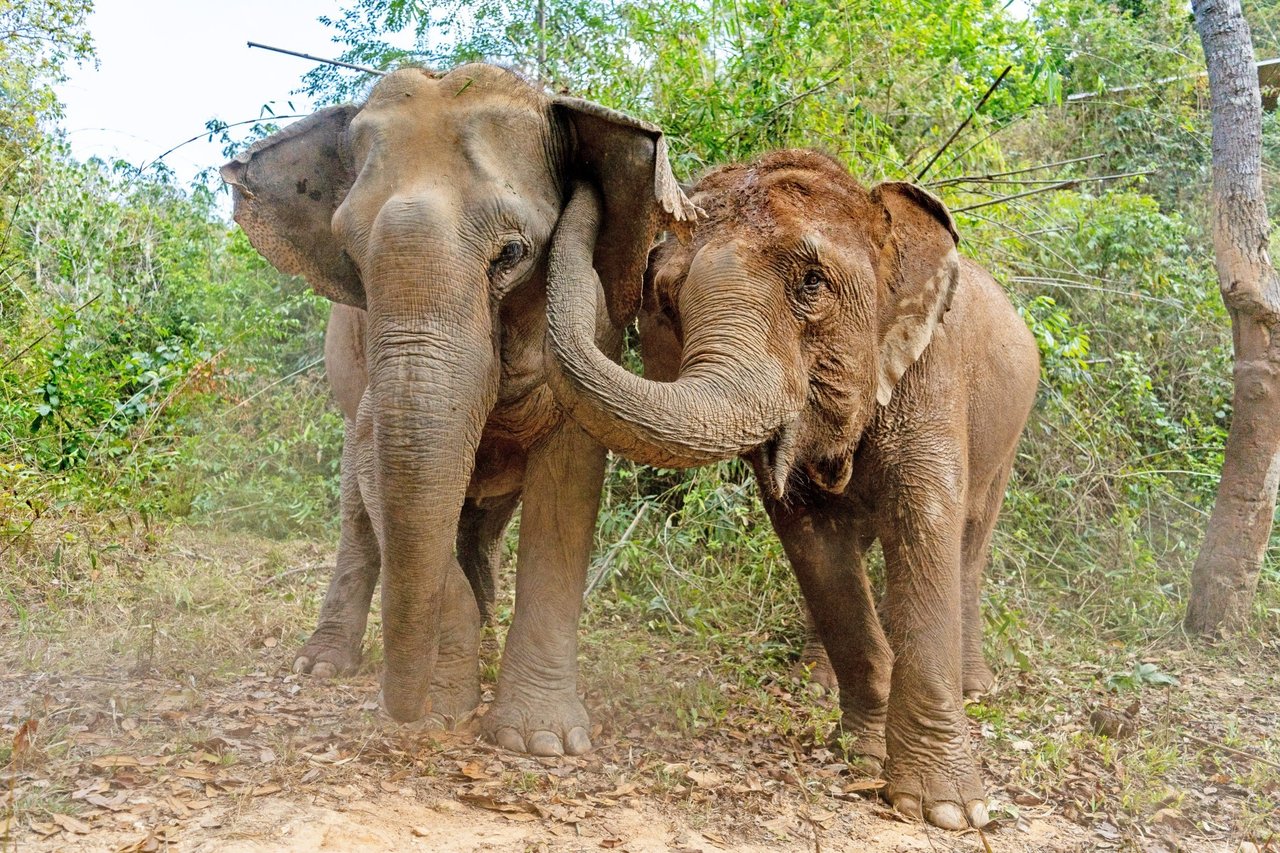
910 335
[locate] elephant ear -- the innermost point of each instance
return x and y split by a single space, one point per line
627 160
920 269
286 188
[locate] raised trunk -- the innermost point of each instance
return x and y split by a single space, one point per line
730 397
1226 572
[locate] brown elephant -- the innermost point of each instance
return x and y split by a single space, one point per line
801 328
430 208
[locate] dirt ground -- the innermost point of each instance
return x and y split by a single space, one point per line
160 713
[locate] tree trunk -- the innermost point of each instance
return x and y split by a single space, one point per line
1226 572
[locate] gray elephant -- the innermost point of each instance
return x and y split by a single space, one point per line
802 328
430 208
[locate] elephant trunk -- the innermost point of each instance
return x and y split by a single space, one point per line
433 378
730 397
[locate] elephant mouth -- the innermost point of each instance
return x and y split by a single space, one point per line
831 474
780 460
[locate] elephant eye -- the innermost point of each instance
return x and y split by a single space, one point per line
813 282
512 253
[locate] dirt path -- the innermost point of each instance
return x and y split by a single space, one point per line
162 715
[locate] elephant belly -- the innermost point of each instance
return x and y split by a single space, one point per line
513 428
499 468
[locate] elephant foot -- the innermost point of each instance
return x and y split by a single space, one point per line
329 653
978 678
814 669
947 793
539 724
453 703
860 739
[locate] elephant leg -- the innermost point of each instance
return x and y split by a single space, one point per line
825 544
536 708
481 530
930 768
455 681
977 676
814 666
334 646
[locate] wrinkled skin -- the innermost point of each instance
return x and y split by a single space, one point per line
428 210
806 319
334 647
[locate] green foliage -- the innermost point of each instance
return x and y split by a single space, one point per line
1143 675
37 39
135 319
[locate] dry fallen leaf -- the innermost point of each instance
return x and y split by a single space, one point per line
104 762
486 802
27 731
70 824
622 790
472 770
115 804
704 778
817 815
196 773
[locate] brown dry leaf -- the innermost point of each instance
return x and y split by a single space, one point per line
610 843
819 815
622 790
147 844
388 786
177 807
98 786
194 773
1174 819
154 760
263 790
486 802
472 770
115 804
704 778
780 825
26 732
71 824
45 828
862 785
105 762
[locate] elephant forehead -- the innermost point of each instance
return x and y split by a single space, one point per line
430 132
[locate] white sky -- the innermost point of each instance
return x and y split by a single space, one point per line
167 66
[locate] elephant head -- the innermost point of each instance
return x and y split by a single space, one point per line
794 311
431 205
